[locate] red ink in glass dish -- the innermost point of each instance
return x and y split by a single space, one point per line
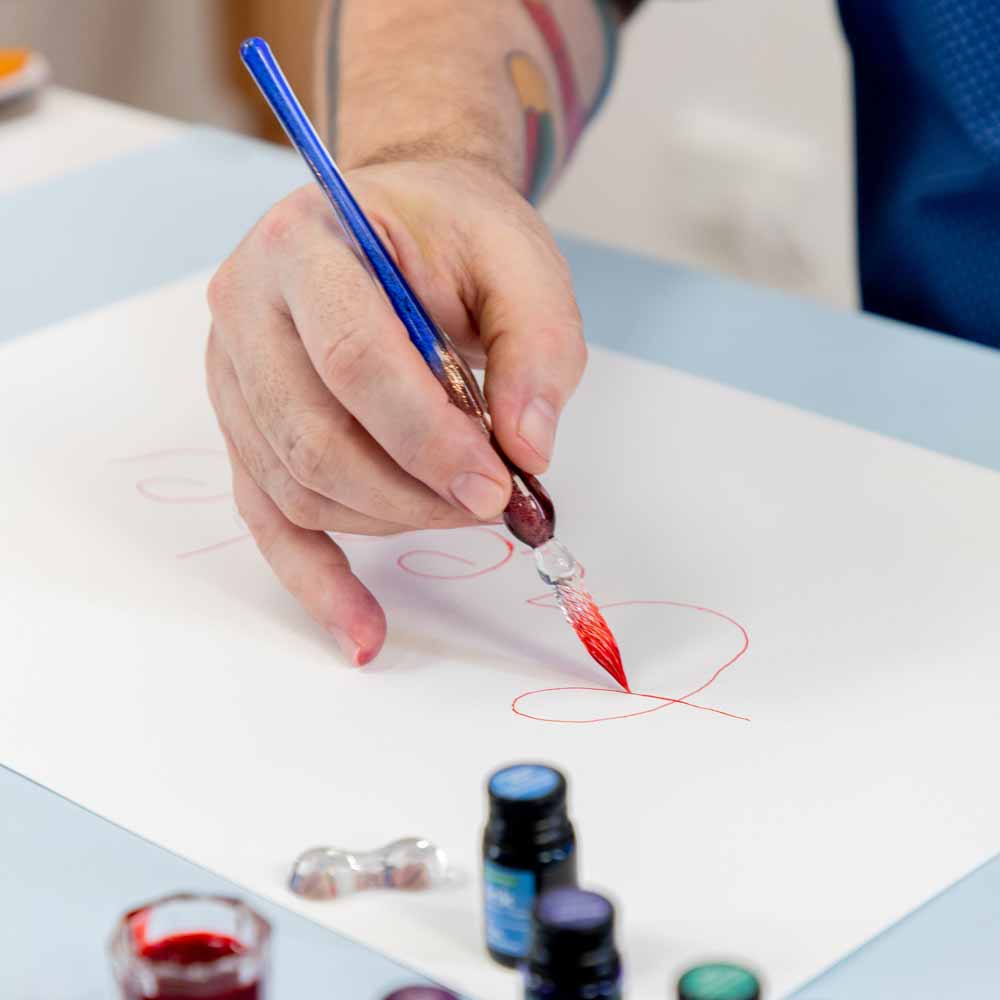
190 947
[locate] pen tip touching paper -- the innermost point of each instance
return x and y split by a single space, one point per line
593 631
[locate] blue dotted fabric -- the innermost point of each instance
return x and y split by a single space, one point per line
927 96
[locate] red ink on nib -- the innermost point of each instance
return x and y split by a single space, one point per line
594 632
520 704
559 569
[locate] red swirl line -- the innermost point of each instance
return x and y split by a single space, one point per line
666 701
401 562
224 544
609 718
144 487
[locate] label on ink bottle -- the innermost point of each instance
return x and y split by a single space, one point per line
510 895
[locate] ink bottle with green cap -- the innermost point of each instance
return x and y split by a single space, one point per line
718 981
528 847
573 954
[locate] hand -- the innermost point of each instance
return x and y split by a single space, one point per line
333 422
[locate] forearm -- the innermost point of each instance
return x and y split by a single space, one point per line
510 83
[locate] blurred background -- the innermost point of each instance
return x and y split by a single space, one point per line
726 143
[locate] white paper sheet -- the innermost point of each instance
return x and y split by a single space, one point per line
155 672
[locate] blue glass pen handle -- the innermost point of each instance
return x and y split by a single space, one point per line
529 514
432 343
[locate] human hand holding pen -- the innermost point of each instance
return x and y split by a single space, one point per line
332 420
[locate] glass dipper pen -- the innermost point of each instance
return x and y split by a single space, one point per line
530 515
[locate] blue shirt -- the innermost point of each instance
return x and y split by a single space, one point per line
927 106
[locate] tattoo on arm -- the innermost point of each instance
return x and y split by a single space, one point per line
626 7
539 123
529 81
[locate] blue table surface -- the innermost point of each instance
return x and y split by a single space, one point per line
125 226
67 876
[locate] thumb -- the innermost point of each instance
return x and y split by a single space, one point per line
531 330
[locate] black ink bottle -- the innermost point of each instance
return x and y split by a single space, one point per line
573 954
528 847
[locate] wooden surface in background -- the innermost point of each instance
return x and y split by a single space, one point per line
290 27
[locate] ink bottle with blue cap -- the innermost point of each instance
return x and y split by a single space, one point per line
573 954
528 847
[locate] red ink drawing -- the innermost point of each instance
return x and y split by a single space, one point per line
650 701
409 561
148 488
436 564
177 489
662 701
214 547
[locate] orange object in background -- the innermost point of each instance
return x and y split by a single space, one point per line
13 61
22 73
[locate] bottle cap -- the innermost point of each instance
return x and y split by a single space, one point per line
528 805
718 981
421 993
573 937
527 789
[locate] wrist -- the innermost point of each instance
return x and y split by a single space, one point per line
425 80
430 148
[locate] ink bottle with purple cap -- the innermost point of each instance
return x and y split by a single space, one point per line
573 954
528 847
420 993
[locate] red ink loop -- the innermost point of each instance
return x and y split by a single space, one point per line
402 561
665 701
224 544
610 718
144 487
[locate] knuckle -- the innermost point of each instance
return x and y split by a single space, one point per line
221 289
345 357
560 262
578 352
565 341
308 453
212 371
275 229
280 224
255 462
300 506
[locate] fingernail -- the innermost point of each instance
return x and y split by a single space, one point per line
479 494
350 649
538 426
